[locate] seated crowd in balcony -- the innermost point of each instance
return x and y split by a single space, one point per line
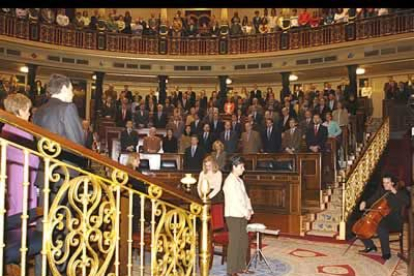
260 23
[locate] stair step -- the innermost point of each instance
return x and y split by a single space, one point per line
329 217
328 234
325 226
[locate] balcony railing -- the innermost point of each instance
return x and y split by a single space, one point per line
88 218
396 23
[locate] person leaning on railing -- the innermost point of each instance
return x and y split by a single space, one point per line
19 105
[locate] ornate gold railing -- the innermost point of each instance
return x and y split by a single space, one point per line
361 172
394 23
87 225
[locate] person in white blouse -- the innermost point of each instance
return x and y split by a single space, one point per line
213 175
62 19
366 92
237 211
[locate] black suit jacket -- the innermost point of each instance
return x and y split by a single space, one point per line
230 146
237 128
196 129
62 118
283 126
319 139
89 140
258 94
206 144
322 113
218 129
273 144
170 146
159 122
121 122
144 120
129 140
154 100
195 162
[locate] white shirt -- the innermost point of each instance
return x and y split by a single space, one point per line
62 20
236 201
214 181
366 92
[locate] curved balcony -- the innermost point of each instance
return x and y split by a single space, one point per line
397 23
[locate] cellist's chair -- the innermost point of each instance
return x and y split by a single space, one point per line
398 236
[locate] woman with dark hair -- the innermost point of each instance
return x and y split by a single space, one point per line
185 140
237 211
397 199
169 142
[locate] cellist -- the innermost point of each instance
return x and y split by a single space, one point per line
397 199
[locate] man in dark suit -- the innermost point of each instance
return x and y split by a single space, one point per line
150 95
194 155
271 137
123 114
129 138
141 117
206 138
229 138
390 88
257 116
321 108
256 93
298 93
216 126
127 93
284 120
235 125
317 135
292 138
177 125
196 125
88 134
328 89
332 102
186 103
306 122
60 116
192 96
159 118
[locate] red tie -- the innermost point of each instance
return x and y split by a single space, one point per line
316 130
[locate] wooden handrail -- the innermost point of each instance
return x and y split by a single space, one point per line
394 23
66 144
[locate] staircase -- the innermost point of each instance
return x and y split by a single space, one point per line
325 221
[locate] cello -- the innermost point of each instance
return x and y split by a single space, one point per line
366 227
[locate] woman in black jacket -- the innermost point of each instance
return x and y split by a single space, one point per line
169 142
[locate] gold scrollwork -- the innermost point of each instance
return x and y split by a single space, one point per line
119 177
48 147
195 208
175 242
82 233
154 192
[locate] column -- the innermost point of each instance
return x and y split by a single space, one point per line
162 89
222 96
97 96
163 16
31 77
353 79
224 16
285 85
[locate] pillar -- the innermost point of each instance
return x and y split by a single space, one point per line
285 85
222 96
31 77
162 89
224 16
353 79
97 96
163 16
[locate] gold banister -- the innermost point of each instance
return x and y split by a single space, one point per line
37 131
85 216
361 172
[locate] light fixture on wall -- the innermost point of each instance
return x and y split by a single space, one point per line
360 71
166 80
94 77
293 77
229 81
24 69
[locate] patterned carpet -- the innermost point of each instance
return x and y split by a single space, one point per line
298 257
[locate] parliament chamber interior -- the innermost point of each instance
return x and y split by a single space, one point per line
206 141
